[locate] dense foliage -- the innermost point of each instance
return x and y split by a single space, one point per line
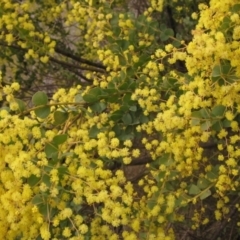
136 135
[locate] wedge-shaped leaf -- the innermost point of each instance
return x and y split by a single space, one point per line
62 170
205 194
33 180
93 132
226 123
217 126
166 34
123 44
203 183
196 118
93 95
152 202
133 108
21 104
51 150
127 119
127 99
117 115
235 8
177 42
46 177
79 98
218 111
160 176
206 125
37 199
59 139
181 201
44 209
194 190
213 174
143 118
204 113
196 114
60 117
40 98
126 136
195 121
42 112
99 107
216 72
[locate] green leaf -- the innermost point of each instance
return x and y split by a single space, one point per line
166 34
124 86
21 104
143 118
160 176
235 8
218 111
133 108
196 118
135 119
152 202
33 180
79 98
44 209
206 125
123 44
205 194
51 150
123 75
40 98
226 69
37 199
117 115
216 72
127 99
204 113
177 43
60 117
127 119
203 183
59 139
217 126
126 134
42 112
165 159
226 25
226 123
46 178
117 129
98 107
213 174
94 131
62 170
194 190
93 95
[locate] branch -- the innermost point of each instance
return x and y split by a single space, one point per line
141 161
79 59
76 66
100 67
171 19
80 75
